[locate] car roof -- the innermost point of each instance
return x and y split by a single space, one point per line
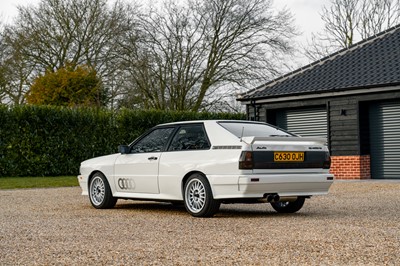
210 122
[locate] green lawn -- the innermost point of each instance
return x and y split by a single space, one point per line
37 182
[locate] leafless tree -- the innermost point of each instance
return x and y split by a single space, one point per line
189 51
3 81
376 16
14 71
349 21
80 32
183 55
341 20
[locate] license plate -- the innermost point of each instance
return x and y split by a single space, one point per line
286 156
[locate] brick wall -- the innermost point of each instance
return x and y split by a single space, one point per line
351 167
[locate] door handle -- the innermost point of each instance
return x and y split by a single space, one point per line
152 158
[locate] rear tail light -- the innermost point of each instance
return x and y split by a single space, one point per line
246 160
327 162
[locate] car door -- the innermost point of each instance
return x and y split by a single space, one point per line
188 151
137 172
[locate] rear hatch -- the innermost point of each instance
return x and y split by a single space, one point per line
284 152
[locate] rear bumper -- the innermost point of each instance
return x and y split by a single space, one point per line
256 185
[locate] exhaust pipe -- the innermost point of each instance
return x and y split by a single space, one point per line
270 198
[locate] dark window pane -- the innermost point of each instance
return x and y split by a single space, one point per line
191 137
155 141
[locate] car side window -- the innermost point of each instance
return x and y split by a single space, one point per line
190 137
155 141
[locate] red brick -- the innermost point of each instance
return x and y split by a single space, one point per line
351 167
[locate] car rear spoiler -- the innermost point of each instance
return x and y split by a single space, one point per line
252 140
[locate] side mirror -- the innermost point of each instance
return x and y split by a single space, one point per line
124 149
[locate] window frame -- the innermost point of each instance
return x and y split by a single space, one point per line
178 128
146 134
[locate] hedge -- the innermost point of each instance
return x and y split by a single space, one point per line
52 141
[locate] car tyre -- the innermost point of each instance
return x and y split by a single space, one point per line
198 198
288 206
100 192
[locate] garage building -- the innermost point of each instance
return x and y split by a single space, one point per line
351 97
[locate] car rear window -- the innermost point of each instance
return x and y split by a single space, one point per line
253 129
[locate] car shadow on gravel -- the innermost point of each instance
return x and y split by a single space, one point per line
226 211
248 213
150 206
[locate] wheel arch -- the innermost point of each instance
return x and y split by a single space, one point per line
186 177
100 172
203 204
103 196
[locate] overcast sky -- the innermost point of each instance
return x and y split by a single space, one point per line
306 12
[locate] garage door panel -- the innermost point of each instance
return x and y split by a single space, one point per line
385 140
305 122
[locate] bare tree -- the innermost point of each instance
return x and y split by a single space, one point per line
349 21
80 32
341 20
15 72
187 52
184 55
3 81
376 16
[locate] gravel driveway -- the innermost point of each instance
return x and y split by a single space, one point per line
357 223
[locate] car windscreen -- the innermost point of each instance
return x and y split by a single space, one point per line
253 129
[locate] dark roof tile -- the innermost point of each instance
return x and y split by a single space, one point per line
372 62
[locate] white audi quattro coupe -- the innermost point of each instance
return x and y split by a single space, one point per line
206 163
